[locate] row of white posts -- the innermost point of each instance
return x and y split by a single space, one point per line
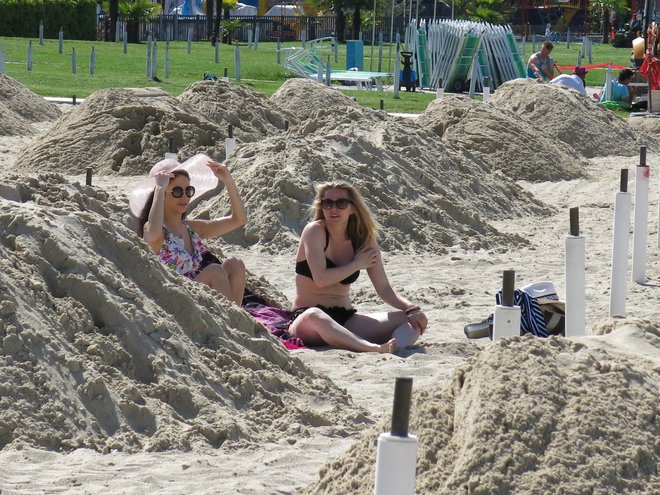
396 454
587 45
151 59
506 321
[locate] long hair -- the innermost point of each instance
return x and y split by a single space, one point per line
144 216
362 228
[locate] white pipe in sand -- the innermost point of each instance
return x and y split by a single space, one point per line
640 229
575 322
486 93
396 454
506 322
608 84
396 458
620 253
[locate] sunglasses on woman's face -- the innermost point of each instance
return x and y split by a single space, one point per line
178 191
341 203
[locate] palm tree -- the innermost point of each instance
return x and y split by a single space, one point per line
113 9
134 12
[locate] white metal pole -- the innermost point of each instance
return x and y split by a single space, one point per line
29 56
230 142
396 453
389 55
92 62
440 91
640 229
576 315
396 458
486 90
373 37
506 322
237 63
621 235
506 316
608 84
397 72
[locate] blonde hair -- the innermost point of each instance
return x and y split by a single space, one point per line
362 228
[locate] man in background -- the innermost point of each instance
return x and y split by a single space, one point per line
540 64
619 90
574 81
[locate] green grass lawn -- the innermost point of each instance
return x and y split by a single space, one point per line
52 75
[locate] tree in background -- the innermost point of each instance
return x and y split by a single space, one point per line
113 10
602 8
493 11
339 8
133 12
222 8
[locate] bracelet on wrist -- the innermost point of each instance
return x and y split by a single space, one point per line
412 309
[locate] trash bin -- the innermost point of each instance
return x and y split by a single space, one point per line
354 54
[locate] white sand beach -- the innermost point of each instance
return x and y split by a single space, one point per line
118 376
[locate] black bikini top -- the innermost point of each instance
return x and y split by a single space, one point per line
302 267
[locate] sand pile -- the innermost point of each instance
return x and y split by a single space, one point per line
122 131
648 127
481 129
304 97
530 416
101 346
424 195
252 115
568 116
19 107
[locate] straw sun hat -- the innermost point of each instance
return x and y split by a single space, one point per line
202 179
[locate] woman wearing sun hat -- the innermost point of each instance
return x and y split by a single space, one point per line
161 203
333 249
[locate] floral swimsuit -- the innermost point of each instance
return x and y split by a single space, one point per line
173 253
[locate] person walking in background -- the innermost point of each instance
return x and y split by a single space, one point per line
539 65
574 81
161 204
334 247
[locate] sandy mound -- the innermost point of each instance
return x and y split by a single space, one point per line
568 116
24 103
424 195
480 129
303 97
251 114
648 127
122 131
12 124
19 107
528 416
101 346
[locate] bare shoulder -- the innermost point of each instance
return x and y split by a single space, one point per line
313 229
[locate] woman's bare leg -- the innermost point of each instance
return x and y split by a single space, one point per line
381 327
215 276
236 274
315 327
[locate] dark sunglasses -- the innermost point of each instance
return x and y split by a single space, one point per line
341 203
178 191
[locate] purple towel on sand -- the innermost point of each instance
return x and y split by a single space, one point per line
276 321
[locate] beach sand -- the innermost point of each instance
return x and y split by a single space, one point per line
117 376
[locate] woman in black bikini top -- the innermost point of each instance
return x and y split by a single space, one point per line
334 247
302 267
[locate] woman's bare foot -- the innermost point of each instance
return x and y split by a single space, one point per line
388 347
